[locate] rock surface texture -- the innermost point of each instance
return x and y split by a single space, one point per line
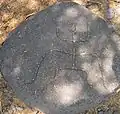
62 60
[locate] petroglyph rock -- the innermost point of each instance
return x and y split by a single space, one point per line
62 60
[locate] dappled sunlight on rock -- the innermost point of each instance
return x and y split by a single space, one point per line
104 82
109 76
100 72
66 90
95 78
107 63
68 93
71 12
16 71
108 52
112 86
82 25
83 52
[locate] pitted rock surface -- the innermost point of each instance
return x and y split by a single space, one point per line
62 60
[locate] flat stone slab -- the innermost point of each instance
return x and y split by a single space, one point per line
62 60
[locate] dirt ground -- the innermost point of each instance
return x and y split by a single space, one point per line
12 13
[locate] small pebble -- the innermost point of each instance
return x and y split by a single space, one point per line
110 13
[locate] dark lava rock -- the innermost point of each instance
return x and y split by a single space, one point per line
62 60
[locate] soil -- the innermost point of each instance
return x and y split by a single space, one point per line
13 12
